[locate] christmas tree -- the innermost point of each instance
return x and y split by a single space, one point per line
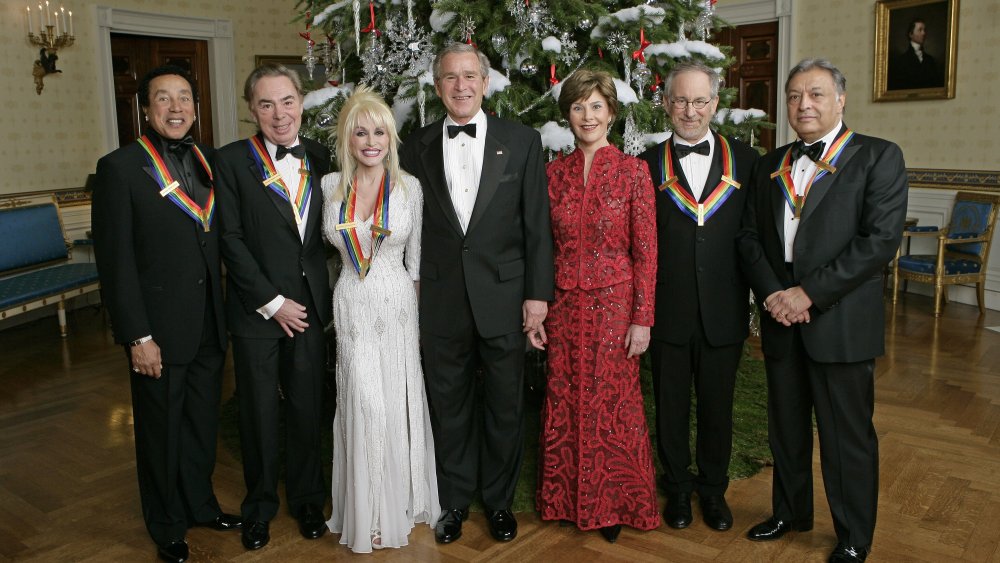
532 45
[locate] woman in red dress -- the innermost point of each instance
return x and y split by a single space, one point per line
596 464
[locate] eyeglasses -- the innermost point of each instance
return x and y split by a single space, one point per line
681 103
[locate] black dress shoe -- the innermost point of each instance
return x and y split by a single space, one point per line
610 533
223 522
772 529
175 551
312 523
503 526
449 526
256 535
847 554
715 512
677 514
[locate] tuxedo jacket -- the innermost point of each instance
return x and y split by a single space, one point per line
261 247
698 272
154 261
505 256
850 228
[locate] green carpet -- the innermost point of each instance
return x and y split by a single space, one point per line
750 449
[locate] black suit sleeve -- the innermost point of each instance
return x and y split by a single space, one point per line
539 275
878 233
758 271
112 222
243 273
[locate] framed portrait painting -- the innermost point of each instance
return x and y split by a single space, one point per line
295 63
915 49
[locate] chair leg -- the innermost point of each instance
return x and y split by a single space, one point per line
61 312
938 290
981 296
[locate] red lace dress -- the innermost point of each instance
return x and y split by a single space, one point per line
596 464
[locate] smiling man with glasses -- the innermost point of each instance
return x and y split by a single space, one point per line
701 297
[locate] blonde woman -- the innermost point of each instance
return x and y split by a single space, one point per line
384 477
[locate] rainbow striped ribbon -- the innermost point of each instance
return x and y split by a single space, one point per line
824 166
348 225
273 180
168 186
684 200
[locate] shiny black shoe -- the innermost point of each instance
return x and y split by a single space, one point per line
503 526
847 554
175 551
312 523
772 529
610 533
449 526
256 535
715 512
223 522
677 514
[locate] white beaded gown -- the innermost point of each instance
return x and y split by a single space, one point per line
384 478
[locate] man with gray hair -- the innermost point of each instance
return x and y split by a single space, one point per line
486 275
702 298
278 300
824 218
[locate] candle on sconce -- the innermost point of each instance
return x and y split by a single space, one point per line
71 22
48 16
31 28
62 11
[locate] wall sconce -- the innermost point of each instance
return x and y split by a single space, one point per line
51 37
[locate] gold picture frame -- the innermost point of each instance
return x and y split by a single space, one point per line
295 63
901 72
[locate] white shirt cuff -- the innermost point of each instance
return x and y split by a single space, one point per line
269 310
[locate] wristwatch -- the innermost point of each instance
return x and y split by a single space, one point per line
139 342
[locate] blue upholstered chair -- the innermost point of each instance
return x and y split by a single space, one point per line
962 251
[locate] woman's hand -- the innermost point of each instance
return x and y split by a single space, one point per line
636 340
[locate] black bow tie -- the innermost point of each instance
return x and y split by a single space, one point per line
298 151
684 150
181 146
454 130
813 151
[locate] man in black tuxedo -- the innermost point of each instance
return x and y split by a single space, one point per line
914 67
702 298
278 300
824 218
486 275
158 259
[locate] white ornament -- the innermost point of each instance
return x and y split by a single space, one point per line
632 140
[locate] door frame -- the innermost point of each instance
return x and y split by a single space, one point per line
221 63
740 12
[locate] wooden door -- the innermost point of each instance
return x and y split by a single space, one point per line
132 56
755 72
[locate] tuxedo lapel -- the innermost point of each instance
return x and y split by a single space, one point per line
714 170
495 156
283 207
433 158
821 187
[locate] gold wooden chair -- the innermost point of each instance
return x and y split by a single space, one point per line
962 252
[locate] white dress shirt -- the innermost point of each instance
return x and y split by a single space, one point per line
288 168
463 166
803 171
696 166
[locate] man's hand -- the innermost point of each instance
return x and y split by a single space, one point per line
636 340
146 359
291 316
533 312
789 306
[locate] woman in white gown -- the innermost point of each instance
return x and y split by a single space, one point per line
384 477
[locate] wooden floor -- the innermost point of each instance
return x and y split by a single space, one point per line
68 485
